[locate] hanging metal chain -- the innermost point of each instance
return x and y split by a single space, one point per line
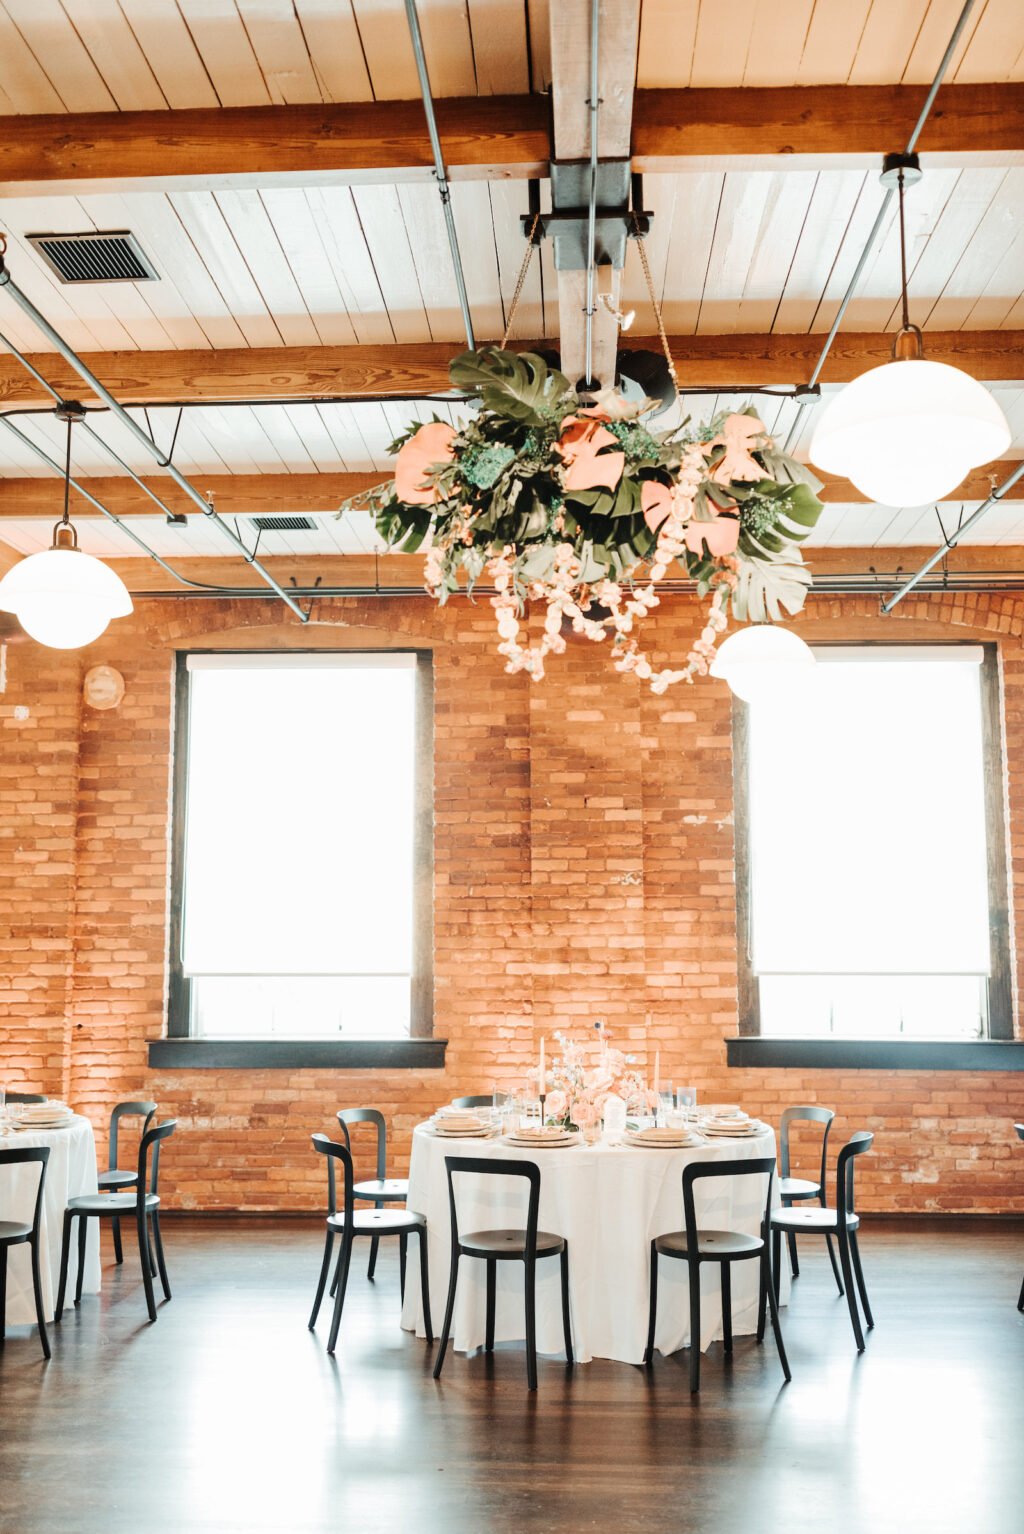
654 303
522 278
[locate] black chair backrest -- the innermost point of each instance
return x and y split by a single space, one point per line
335 1152
152 1138
347 1116
25 1154
482 1167
474 1102
855 1146
126 1110
814 1115
26 1097
763 1166
1020 1131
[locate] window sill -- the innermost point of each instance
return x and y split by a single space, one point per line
879 1054
297 1054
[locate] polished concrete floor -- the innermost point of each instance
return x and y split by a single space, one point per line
228 1417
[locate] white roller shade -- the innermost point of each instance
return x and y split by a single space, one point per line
867 832
298 855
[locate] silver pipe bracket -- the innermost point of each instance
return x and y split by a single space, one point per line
568 222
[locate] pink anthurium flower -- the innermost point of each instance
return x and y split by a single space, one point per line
431 445
586 467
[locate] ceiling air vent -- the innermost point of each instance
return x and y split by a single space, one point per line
283 523
95 257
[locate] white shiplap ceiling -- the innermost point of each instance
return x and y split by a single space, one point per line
737 251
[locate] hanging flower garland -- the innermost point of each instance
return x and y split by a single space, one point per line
587 509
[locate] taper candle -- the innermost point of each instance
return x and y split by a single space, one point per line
657 1071
542 1074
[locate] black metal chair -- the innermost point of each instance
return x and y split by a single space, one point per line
793 1189
841 1222
352 1222
113 1180
479 1101
26 1097
1020 1303
527 1246
13 1233
105 1206
381 1189
695 1246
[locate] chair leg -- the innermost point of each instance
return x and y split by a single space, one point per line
531 1323
371 1266
835 1265
147 1276
449 1311
115 1226
65 1252
3 1295
764 1280
339 1298
652 1309
794 1261
777 1330
694 1269
325 1268
403 1252
776 1261
337 1274
83 1231
492 1274
566 1318
859 1274
851 1298
1020 1301
161 1265
37 1291
726 1307
428 1326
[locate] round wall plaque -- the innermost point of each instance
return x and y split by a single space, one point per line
103 687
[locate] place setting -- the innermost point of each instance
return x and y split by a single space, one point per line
28 1116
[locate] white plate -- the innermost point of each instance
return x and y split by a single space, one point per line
532 1142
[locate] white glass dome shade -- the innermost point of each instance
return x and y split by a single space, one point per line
760 659
64 598
907 432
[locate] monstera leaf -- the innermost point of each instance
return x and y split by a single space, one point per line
764 589
516 384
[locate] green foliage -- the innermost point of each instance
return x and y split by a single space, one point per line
515 384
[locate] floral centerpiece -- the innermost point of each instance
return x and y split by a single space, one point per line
587 508
577 1094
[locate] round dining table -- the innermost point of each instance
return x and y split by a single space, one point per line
608 1201
70 1171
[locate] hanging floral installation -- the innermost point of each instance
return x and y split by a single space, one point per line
586 509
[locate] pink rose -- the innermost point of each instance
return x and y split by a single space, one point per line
554 1105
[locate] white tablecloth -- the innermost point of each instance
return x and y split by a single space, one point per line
608 1202
70 1171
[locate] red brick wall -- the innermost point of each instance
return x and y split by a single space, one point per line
584 868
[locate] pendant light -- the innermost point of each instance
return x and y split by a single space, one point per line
761 660
908 432
64 598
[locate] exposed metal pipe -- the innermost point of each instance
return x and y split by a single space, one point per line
593 107
70 356
954 539
51 463
869 246
861 583
439 168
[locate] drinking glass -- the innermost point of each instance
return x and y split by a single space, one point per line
666 1105
638 1111
502 1106
529 1116
686 1098
3 1099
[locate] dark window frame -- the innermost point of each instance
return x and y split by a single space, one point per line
180 1046
751 1048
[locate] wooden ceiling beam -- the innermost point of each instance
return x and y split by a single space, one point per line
290 372
247 495
496 136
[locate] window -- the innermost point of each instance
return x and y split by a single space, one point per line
301 885
870 875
